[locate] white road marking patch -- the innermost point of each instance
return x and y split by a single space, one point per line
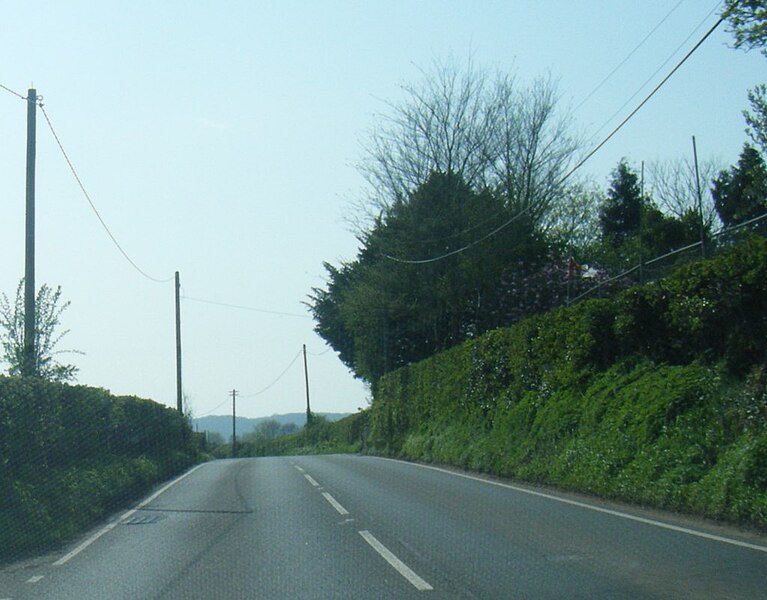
395 562
311 480
67 557
335 504
299 469
35 579
607 511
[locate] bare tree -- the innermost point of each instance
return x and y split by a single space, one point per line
492 132
675 190
442 125
532 146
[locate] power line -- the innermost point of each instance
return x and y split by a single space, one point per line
7 89
250 308
464 248
93 206
628 56
268 387
271 385
654 73
214 410
575 168
324 352
647 98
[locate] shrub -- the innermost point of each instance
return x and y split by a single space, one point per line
71 454
657 396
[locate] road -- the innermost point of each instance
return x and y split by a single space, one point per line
363 527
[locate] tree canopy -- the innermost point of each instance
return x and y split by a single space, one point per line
748 23
740 193
620 214
381 311
473 224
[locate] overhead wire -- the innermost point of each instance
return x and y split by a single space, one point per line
146 275
273 383
576 167
628 56
323 353
647 99
495 231
7 89
268 387
212 411
241 307
93 206
654 73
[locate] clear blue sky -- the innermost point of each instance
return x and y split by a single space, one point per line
219 139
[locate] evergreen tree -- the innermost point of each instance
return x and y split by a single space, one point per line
740 193
394 305
620 213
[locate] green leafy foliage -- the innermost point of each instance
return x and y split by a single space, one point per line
319 437
71 454
748 23
382 312
620 213
756 118
740 193
655 397
48 310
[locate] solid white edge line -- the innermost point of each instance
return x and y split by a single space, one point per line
67 557
335 504
311 480
608 511
417 582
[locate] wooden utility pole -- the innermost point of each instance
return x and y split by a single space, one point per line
179 391
306 379
234 424
29 367
700 200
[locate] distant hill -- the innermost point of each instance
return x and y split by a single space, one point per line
222 424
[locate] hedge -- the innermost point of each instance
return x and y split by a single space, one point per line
71 454
656 396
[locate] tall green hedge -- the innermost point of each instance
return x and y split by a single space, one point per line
70 454
657 396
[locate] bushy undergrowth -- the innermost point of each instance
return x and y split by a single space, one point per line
656 397
71 454
346 435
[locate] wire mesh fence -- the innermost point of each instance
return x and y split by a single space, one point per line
593 285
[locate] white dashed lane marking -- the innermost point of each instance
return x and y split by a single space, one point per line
417 582
335 504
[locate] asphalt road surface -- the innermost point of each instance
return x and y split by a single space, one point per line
361 527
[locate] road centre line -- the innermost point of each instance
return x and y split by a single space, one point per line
299 469
414 579
335 504
607 511
417 582
67 557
